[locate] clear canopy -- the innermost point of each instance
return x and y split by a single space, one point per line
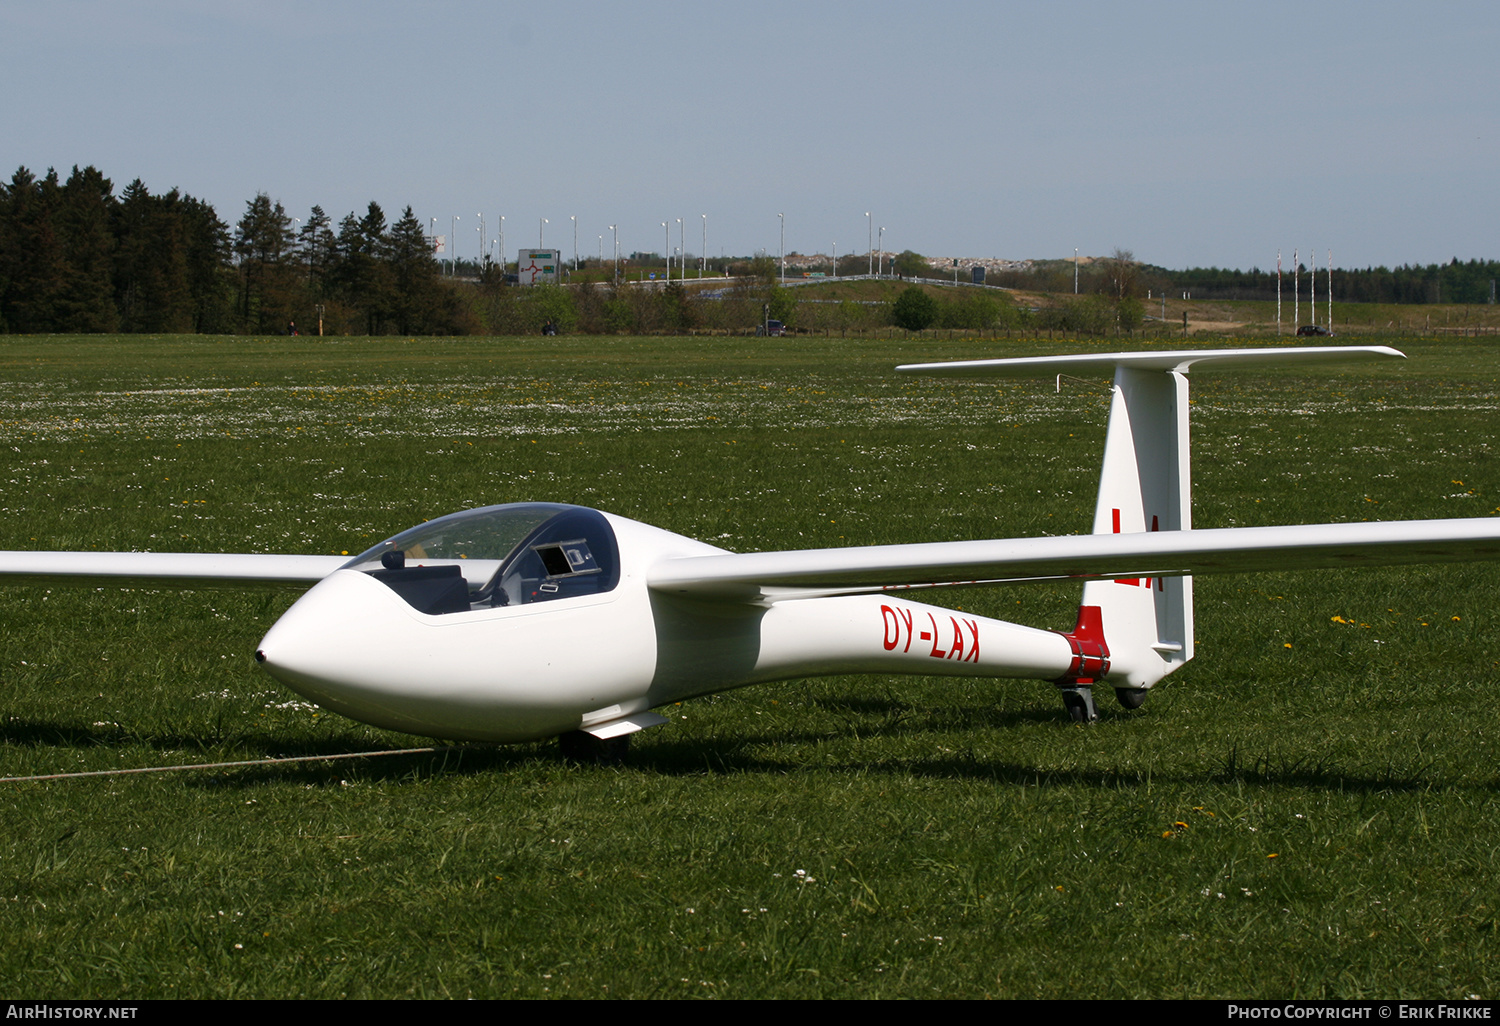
515 553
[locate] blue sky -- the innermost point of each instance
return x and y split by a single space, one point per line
1193 134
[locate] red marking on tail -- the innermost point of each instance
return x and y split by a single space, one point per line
1132 581
1090 653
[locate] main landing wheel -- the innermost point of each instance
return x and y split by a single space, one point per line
1131 698
587 750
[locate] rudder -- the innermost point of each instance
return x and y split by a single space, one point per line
1144 624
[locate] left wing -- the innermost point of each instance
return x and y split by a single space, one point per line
188 569
768 576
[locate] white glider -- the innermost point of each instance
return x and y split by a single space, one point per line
533 620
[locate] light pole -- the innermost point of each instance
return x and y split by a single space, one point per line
835 259
541 230
681 250
432 231
601 252
480 215
1278 293
783 247
1075 270
453 257
574 219
870 247
502 245
667 247
616 229
296 221
703 260
880 253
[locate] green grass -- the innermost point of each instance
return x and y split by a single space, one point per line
1308 809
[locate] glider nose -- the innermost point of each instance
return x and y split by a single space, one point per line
328 646
355 647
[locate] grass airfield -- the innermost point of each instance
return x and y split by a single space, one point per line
1308 809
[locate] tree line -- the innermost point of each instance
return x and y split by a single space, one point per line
1453 282
75 257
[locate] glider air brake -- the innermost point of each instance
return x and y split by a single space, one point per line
532 620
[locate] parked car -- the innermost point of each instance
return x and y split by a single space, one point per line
775 328
1313 329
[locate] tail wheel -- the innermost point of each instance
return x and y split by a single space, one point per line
1078 699
1131 698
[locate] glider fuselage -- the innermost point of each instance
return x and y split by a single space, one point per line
533 670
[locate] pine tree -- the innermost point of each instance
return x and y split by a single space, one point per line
364 275
33 273
414 275
262 239
210 276
131 230
88 302
152 291
318 248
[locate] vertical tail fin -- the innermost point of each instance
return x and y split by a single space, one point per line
1146 485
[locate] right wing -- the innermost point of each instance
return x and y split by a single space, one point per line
767 576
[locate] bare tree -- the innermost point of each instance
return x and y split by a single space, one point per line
1122 275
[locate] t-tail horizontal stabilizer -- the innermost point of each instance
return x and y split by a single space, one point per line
1133 631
